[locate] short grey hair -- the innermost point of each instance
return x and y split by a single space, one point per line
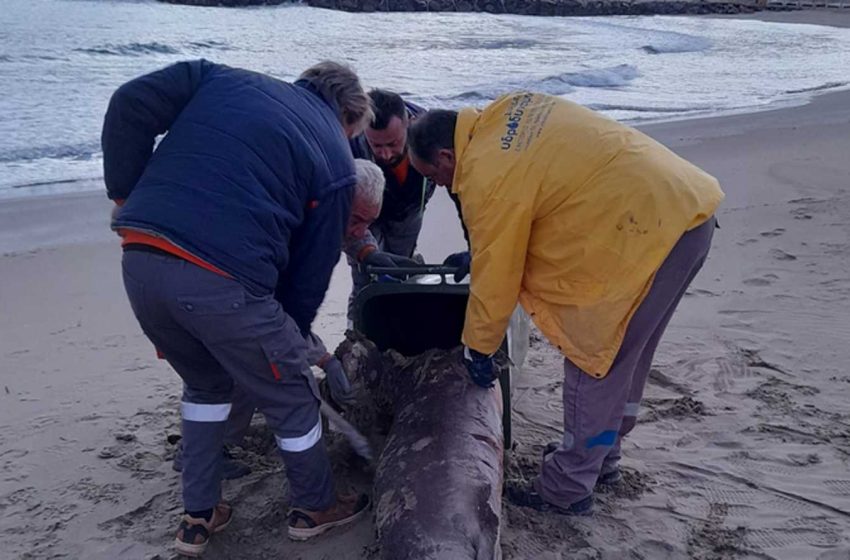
369 190
340 83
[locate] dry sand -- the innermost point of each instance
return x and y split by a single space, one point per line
834 17
742 450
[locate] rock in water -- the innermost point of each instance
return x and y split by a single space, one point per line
438 483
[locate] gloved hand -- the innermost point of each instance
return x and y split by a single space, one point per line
338 382
387 260
462 262
481 368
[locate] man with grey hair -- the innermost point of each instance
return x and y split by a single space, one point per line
368 201
231 228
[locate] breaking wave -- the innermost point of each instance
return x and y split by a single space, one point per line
211 44
670 42
558 84
487 44
130 49
656 41
606 107
822 87
78 152
143 49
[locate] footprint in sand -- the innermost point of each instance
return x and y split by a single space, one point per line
14 454
678 408
801 214
133 368
773 233
781 255
840 487
747 242
701 292
658 378
804 200
109 452
804 460
763 281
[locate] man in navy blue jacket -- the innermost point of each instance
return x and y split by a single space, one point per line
231 228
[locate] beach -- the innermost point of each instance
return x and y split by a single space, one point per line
743 440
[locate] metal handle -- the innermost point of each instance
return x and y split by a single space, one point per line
411 270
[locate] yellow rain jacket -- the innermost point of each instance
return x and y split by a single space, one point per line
570 213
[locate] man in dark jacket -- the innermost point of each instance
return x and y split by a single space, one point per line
231 228
391 239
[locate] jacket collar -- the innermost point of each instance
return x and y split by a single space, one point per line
467 119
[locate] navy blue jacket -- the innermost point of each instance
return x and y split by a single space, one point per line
254 175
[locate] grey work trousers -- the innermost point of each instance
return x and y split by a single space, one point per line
215 333
599 413
243 406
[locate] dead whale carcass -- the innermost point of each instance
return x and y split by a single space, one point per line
438 482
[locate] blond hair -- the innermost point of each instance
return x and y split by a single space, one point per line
340 83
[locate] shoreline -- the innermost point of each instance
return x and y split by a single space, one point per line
784 105
727 9
828 17
515 7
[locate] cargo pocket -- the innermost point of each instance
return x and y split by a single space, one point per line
275 366
287 365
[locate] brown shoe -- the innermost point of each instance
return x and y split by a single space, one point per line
194 532
305 524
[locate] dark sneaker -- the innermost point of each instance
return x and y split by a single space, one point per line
524 495
194 533
305 524
230 469
609 478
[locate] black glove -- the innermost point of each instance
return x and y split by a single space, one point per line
462 262
481 368
338 382
387 260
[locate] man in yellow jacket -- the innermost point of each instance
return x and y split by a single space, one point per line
597 230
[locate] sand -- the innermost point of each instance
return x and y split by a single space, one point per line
832 17
743 442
